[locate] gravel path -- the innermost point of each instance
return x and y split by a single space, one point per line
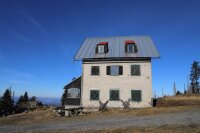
179 118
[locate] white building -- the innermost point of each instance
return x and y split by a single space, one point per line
115 68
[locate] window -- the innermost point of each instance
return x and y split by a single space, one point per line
114 70
95 70
136 95
135 70
73 93
114 95
102 48
94 94
130 46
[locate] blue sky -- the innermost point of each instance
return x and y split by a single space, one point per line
38 39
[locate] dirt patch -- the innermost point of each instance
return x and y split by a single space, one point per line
151 129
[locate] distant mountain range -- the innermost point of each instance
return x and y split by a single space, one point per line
50 101
45 100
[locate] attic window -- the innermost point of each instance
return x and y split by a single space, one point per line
102 48
130 46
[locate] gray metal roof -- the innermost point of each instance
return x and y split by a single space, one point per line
145 45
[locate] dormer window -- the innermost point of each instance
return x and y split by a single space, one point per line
102 48
130 46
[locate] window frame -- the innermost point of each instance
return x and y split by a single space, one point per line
118 95
101 48
133 49
95 73
135 100
91 95
139 74
109 70
77 97
114 70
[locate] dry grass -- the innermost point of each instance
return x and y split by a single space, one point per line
181 100
39 116
133 112
30 117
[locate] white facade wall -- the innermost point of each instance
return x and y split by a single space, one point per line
124 83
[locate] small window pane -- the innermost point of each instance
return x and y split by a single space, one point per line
94 95
114 95
130 48
135 70
95 70
114 70
100 49
73 93
136 95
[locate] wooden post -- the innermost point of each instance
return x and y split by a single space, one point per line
126 104
103 106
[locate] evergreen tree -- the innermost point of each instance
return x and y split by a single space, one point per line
7 102
194 77
178 93
33 98
25 98
20 100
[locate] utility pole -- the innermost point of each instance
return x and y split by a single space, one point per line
184 89
174 89
162 91
188 86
